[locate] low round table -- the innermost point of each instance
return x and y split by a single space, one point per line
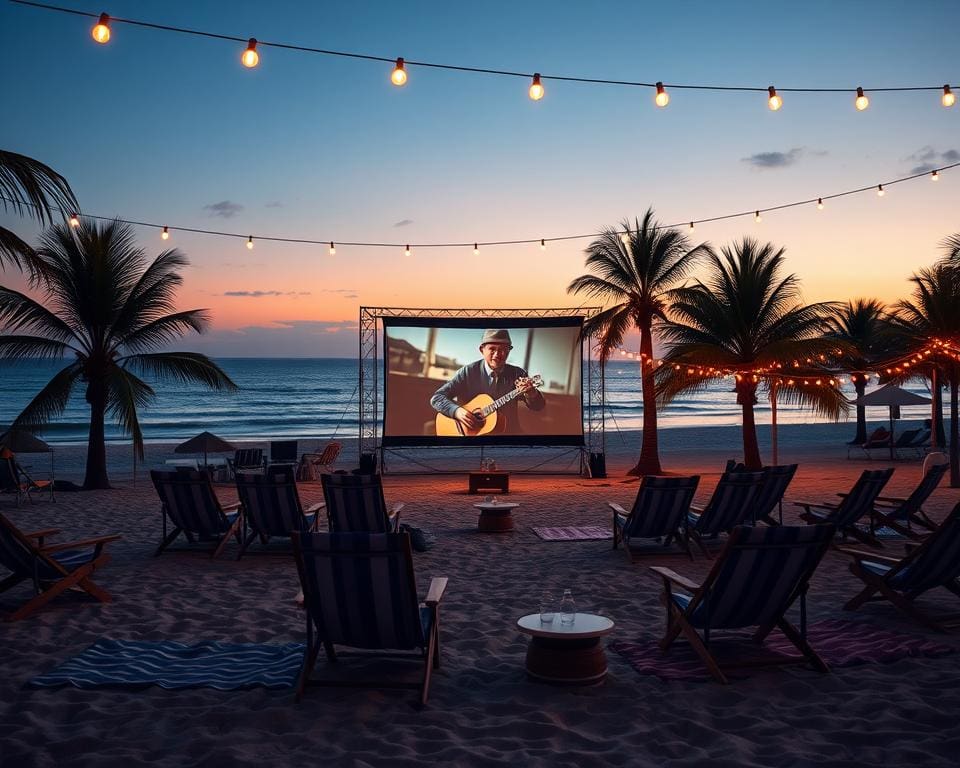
495 516
570 654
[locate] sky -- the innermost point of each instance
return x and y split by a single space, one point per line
174 130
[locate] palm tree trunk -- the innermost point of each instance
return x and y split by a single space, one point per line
954 430
649 463
938 407
746 394
96 476
860 387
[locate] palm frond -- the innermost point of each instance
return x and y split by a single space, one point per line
126 394
52 400
152 295
15 251
183 367
164 330
609 326
31 188
13 347
19 312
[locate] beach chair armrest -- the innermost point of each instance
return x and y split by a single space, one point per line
697 508
890 500
97 540
41 534
859 554
316 507
674 577
618 509
437 586
817 504
231 507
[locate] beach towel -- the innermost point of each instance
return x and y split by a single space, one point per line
839 643
224 666
574 533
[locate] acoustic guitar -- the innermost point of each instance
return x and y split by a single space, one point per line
484 407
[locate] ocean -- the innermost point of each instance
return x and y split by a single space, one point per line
318 399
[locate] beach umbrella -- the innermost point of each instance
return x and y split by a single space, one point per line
204 443
20 440
893 397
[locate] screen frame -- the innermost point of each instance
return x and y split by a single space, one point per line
480 323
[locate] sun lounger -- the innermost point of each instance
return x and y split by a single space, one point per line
916 447
271 507
852 507
902 514
356 503
312 465
730 505
659 512
246 460
189 501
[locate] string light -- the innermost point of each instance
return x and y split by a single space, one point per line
861 102
756 217
74 220
543 244
406 251
101 32
250 57
774 101
399 75
476 250
165 234
333 249
880 190
662 98
819 203
948 99
691 226
934 176
250 243
536 88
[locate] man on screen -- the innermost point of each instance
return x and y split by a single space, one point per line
491 375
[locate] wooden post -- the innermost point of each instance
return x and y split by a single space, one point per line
933 409
773 422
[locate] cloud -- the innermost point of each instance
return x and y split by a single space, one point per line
258 294
927 158
285 338
274 204
347 293
225 209
403 223
765 160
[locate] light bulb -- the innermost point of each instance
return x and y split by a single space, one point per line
406 251
250 243
935 176
536 89
250 56
774 101
662 98
691 226
861 102
949 98
74 220
101 32
880 190
476 250
819 203
165 234
333 249
756 217
543 244
399 75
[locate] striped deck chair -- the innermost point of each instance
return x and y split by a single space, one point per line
356 503
245 460
659 511
776 480
731 505
934 563
901 514
758 576
359 591
188 499
52 568
858 503
271 506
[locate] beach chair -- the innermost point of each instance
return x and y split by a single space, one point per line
355 503
916 446
359 591
189 501
51 568
14 480
902 514
878 439
934 563
312 465
853 506
271 507
757 577
776 480
658 512
246 460
730 505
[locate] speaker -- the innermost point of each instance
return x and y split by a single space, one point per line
598 465
368 464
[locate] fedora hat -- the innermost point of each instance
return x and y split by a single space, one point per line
492 336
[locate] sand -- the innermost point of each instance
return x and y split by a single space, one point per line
483 710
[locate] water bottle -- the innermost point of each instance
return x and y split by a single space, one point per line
568 608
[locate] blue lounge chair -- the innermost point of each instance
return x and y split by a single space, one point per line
878 439
776 480
934 563
52 568
902 514
189 501
246 460
359 591
730 505
916 446
271 506
759 574
658 512
356 503
854 506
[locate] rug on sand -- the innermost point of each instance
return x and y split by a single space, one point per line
839 643
574 533
224 666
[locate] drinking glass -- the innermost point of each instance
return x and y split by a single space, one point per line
547 608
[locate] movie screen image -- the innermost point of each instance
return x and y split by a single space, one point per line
483 381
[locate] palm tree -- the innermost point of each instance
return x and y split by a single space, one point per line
106 305
634 267
951 247
745 317
28 187
864 328
933 312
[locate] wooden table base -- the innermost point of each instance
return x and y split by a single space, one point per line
492 521
581 661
